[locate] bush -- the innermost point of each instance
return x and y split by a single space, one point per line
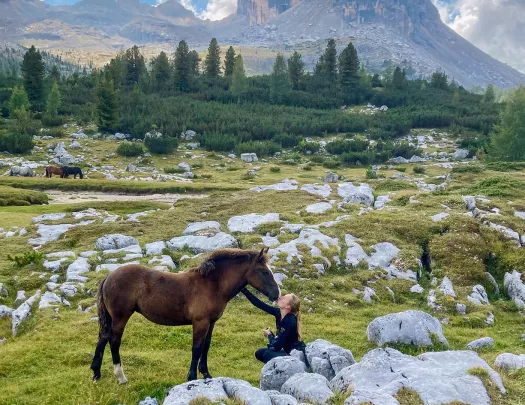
371 174
419 170
275 169
160 144
10 196
331 164
16 143
261 148
468 169
340 147
27 258
218 142
288 140
356 158
56 132
130 149
403 149
308 147
173 170
52 121
506 166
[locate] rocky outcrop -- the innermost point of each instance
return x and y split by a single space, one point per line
261 11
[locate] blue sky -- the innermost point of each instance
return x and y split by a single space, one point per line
199 5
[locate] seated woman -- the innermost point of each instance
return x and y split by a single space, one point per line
288 323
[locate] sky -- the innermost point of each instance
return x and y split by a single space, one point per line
495 26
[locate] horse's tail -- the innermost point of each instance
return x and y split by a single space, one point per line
104 318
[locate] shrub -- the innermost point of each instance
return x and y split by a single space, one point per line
15 196
33 257
275 169
308 147
331 164
468 169
288 140
340 147
371 174
16 143
403 149
130 149
160 144
307 167
498 187
52 121
218 142
261 148
173 170
419 170
56 132
506 166
355 158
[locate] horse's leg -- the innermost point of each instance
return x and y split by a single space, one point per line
119 323
200 331
99 355
203 363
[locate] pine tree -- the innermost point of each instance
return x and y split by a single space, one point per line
508 139
54 101
388 72
280 85
229 62
114 71
295 69
439 81
456 98
33 71
398 79
54 74
161 72
376 81
490 95
107 112
238 87
134 66
212 63
182 67
195 61
348 70
18 102
327 65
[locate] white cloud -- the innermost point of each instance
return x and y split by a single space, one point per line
218 9
495 26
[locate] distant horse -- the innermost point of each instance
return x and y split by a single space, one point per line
51 170
197 297
21 171
75 171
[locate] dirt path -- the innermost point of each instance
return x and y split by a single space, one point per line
68 197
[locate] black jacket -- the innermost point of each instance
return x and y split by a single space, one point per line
287 338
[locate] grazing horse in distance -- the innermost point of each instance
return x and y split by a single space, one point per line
50 170
196 297
73 170
23 171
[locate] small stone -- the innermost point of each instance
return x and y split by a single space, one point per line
480 343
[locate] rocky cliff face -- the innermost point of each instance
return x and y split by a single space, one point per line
262 11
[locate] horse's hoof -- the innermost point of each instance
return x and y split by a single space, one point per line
207 376
192 377
123 380
96 377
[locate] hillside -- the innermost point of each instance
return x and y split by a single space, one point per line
408 33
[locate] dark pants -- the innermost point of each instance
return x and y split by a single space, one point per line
265 355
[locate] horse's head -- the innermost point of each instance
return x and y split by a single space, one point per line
80 173
261 278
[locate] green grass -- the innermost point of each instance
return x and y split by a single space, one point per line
12 196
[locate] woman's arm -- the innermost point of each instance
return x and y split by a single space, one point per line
261 305
288 326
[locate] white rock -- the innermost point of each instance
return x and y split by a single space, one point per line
308 387
281 399
399 160
183 394
470 202
115 241
184 166
49 233
324 190
490 319
77 268
270 241
309 237
409 327
480 343
417 289
331 177
355 253
368 293
478 296
248 223
460 154
249 157
319 208
337 357
519 214
149 401
285 185
164 260
54 265
133 249
384 253
461 309
446 287
23 312
380 202
195 227
509 361
361 194
155 248
277 371
50 299
20 296
75 145
438 377
89 253
509 233
60 255
5 312
514 286
202 244
439 217
243 392
3 290
70 289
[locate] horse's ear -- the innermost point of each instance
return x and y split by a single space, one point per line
260 256
266 250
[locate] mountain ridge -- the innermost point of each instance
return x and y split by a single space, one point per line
407 32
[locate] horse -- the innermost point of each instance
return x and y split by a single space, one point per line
50 170
197 297
23 171
76 171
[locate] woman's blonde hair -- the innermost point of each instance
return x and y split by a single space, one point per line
295 308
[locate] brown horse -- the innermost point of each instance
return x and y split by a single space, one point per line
50 170
197 297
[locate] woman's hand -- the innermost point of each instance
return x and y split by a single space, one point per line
267 332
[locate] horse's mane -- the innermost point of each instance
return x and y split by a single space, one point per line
209 265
